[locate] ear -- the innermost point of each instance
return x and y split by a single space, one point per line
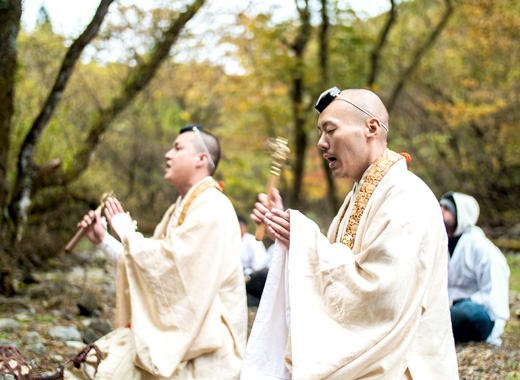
202 160
373 128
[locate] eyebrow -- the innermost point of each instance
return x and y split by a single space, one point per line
326 124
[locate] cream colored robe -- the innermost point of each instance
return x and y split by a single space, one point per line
183 292
378 311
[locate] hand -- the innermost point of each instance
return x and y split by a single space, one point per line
95 229
112 208
276 220
262 206
279 226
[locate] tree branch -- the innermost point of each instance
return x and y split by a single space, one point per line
138 80
383 38
10 14
298 108
419 54
26 169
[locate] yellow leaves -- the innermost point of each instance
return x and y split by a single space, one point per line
185 116
462 111
468 82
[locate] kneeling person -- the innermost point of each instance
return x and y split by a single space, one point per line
181 301
478 275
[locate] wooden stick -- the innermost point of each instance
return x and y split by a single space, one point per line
271 183
79 234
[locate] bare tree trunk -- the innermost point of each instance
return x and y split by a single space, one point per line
27 171
406 75
10 15
298 107
138 80
376 53
31 178
324 57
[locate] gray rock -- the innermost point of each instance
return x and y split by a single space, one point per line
75 344
57 358
64 333
96 329
87 304
32 337
90 336
7 342
9 325
5 376
37 348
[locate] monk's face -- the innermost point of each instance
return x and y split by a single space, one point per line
181 160
343 140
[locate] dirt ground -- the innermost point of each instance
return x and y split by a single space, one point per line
53 300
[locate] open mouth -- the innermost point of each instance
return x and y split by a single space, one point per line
331 159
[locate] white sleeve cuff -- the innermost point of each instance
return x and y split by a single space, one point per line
110 247
123 224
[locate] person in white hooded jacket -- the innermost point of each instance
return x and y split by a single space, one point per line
478 274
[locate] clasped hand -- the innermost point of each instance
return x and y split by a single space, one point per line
96 229
276 220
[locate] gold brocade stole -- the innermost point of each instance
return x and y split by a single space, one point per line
201 187
376 173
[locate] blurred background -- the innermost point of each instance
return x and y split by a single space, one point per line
92 95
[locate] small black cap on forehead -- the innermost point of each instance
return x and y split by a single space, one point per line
189 128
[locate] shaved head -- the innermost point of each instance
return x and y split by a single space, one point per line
353 130
370 102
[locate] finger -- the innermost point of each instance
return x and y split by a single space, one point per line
280 223
114 206
87 220
110 207
108 213
259 216
277 199
281 214
263 199
117 205
277 236
278 229
255 219
260 208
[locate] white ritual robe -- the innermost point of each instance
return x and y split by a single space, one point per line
184 295
378 311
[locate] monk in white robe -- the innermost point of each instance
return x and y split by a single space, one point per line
181 301
369 301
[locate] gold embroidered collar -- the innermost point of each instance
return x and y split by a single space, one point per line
204 185
376 173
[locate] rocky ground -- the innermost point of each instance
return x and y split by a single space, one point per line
49 320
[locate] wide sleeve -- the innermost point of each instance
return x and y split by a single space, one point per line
173 285
359 312
492 276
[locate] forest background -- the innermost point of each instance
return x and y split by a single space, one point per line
81 116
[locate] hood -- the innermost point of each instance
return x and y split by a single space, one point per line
467 211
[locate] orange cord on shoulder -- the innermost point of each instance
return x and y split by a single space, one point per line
407 157
222 184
